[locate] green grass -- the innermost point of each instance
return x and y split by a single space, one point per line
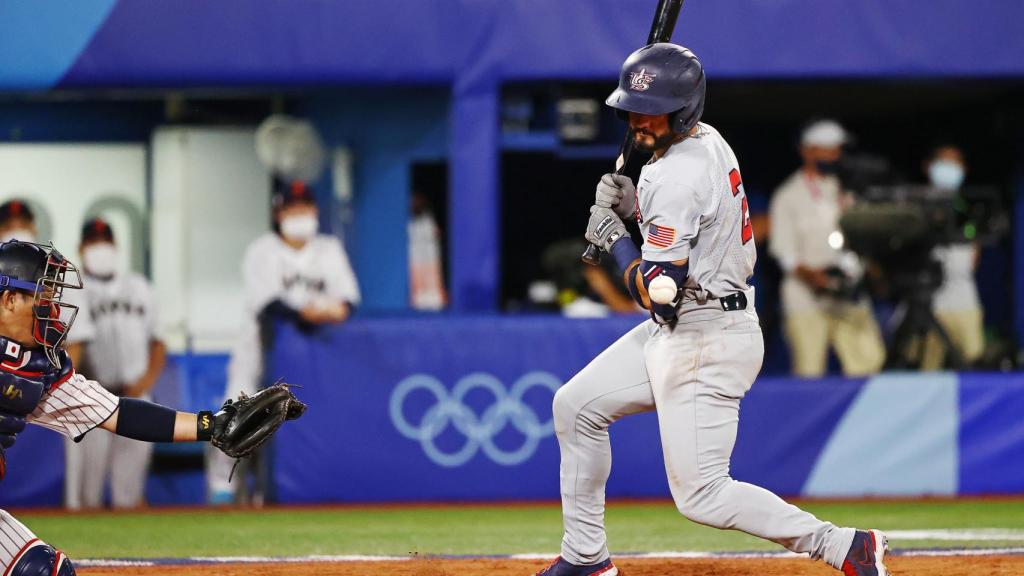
467 529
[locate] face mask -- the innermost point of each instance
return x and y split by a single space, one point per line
22 234
299 228
946 174
100 259
826 168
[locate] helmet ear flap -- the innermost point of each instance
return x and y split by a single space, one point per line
677 121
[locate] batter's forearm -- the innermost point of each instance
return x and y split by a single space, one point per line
627 257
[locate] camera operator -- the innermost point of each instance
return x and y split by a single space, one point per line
822 302
956 305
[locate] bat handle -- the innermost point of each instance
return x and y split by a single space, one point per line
592 255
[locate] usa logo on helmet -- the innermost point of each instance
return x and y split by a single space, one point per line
640 81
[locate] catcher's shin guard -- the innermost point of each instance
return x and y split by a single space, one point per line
38 558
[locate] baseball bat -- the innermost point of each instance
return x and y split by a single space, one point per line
661 31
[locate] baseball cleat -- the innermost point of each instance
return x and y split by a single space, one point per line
560 567
866 554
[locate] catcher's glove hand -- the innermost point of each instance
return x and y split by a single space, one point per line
243 425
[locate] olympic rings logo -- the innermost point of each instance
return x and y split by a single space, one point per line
449 408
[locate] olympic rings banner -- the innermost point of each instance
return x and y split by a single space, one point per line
459 408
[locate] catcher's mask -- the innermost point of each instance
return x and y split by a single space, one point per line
42 271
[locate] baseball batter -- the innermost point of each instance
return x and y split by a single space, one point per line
39 385
700 352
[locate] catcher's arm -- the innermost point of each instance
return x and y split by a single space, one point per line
184 425
239 428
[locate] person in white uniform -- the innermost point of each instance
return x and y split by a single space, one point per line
291 274
956 304
806 241
697 356
127 356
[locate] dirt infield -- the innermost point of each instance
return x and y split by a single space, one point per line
902 566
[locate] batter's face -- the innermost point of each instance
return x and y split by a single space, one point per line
651 133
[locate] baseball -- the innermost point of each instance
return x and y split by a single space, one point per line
662 290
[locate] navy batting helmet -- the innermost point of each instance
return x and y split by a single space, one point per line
662 78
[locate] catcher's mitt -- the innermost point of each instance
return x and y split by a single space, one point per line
243 425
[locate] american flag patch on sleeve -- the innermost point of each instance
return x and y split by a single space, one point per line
661 236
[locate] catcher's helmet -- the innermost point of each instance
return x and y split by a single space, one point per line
43 272
662 78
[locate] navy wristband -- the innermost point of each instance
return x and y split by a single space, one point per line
145 421
624 252
204 426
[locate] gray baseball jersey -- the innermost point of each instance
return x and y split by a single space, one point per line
691 205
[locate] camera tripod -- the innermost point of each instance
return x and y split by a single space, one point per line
916 289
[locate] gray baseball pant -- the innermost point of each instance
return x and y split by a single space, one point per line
694 376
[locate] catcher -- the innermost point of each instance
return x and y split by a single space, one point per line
39 385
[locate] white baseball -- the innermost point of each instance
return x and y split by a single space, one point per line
662 290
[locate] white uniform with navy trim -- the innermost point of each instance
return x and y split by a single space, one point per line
73 408
122 310
692 205
318 274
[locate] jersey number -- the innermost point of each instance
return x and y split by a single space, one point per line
737 187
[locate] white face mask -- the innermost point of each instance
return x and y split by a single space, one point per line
946 174
299 228
23 234
100 259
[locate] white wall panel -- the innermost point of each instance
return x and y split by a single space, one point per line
210 199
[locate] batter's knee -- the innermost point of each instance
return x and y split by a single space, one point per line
699 502
562 411
38 558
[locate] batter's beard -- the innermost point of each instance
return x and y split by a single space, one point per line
663 141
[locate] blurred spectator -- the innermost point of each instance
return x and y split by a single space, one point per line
17 222
292 274
426 272
821 302
956 304
580 290
126 357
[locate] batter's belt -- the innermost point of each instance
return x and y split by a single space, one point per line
730 303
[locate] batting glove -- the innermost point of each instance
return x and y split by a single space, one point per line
604 228
617 192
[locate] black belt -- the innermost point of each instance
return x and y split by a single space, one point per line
733 302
